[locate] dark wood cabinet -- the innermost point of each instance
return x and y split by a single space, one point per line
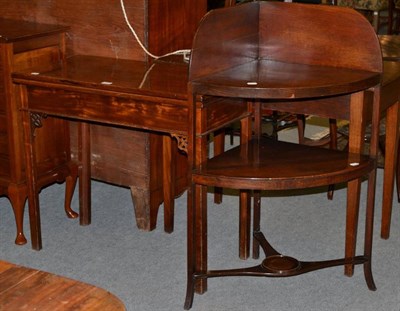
29 46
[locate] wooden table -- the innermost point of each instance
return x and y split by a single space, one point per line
129 94
23 288
288 57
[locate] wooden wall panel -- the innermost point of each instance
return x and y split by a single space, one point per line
173 23
98 27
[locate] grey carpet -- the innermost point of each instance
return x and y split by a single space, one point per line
147 270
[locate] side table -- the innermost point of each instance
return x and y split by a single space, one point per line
272 52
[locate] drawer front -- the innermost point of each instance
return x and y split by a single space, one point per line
44 59
37 43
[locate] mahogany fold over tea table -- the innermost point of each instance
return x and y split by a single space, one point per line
124 93
286 56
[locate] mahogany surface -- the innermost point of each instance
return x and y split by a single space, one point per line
30 46
23 288
126 90
272 80
287 53
275 169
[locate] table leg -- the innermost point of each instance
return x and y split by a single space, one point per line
219 146
353 203
200 221
244 224
17 195
391 145
246 134
31 175
191 254
168 184
84 178
198 154
356 141
369 229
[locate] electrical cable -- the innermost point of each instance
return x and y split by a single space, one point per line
182 52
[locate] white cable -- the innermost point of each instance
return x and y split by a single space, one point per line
184 52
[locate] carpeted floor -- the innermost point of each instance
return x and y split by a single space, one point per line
147 270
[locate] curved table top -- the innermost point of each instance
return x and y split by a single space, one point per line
270 79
